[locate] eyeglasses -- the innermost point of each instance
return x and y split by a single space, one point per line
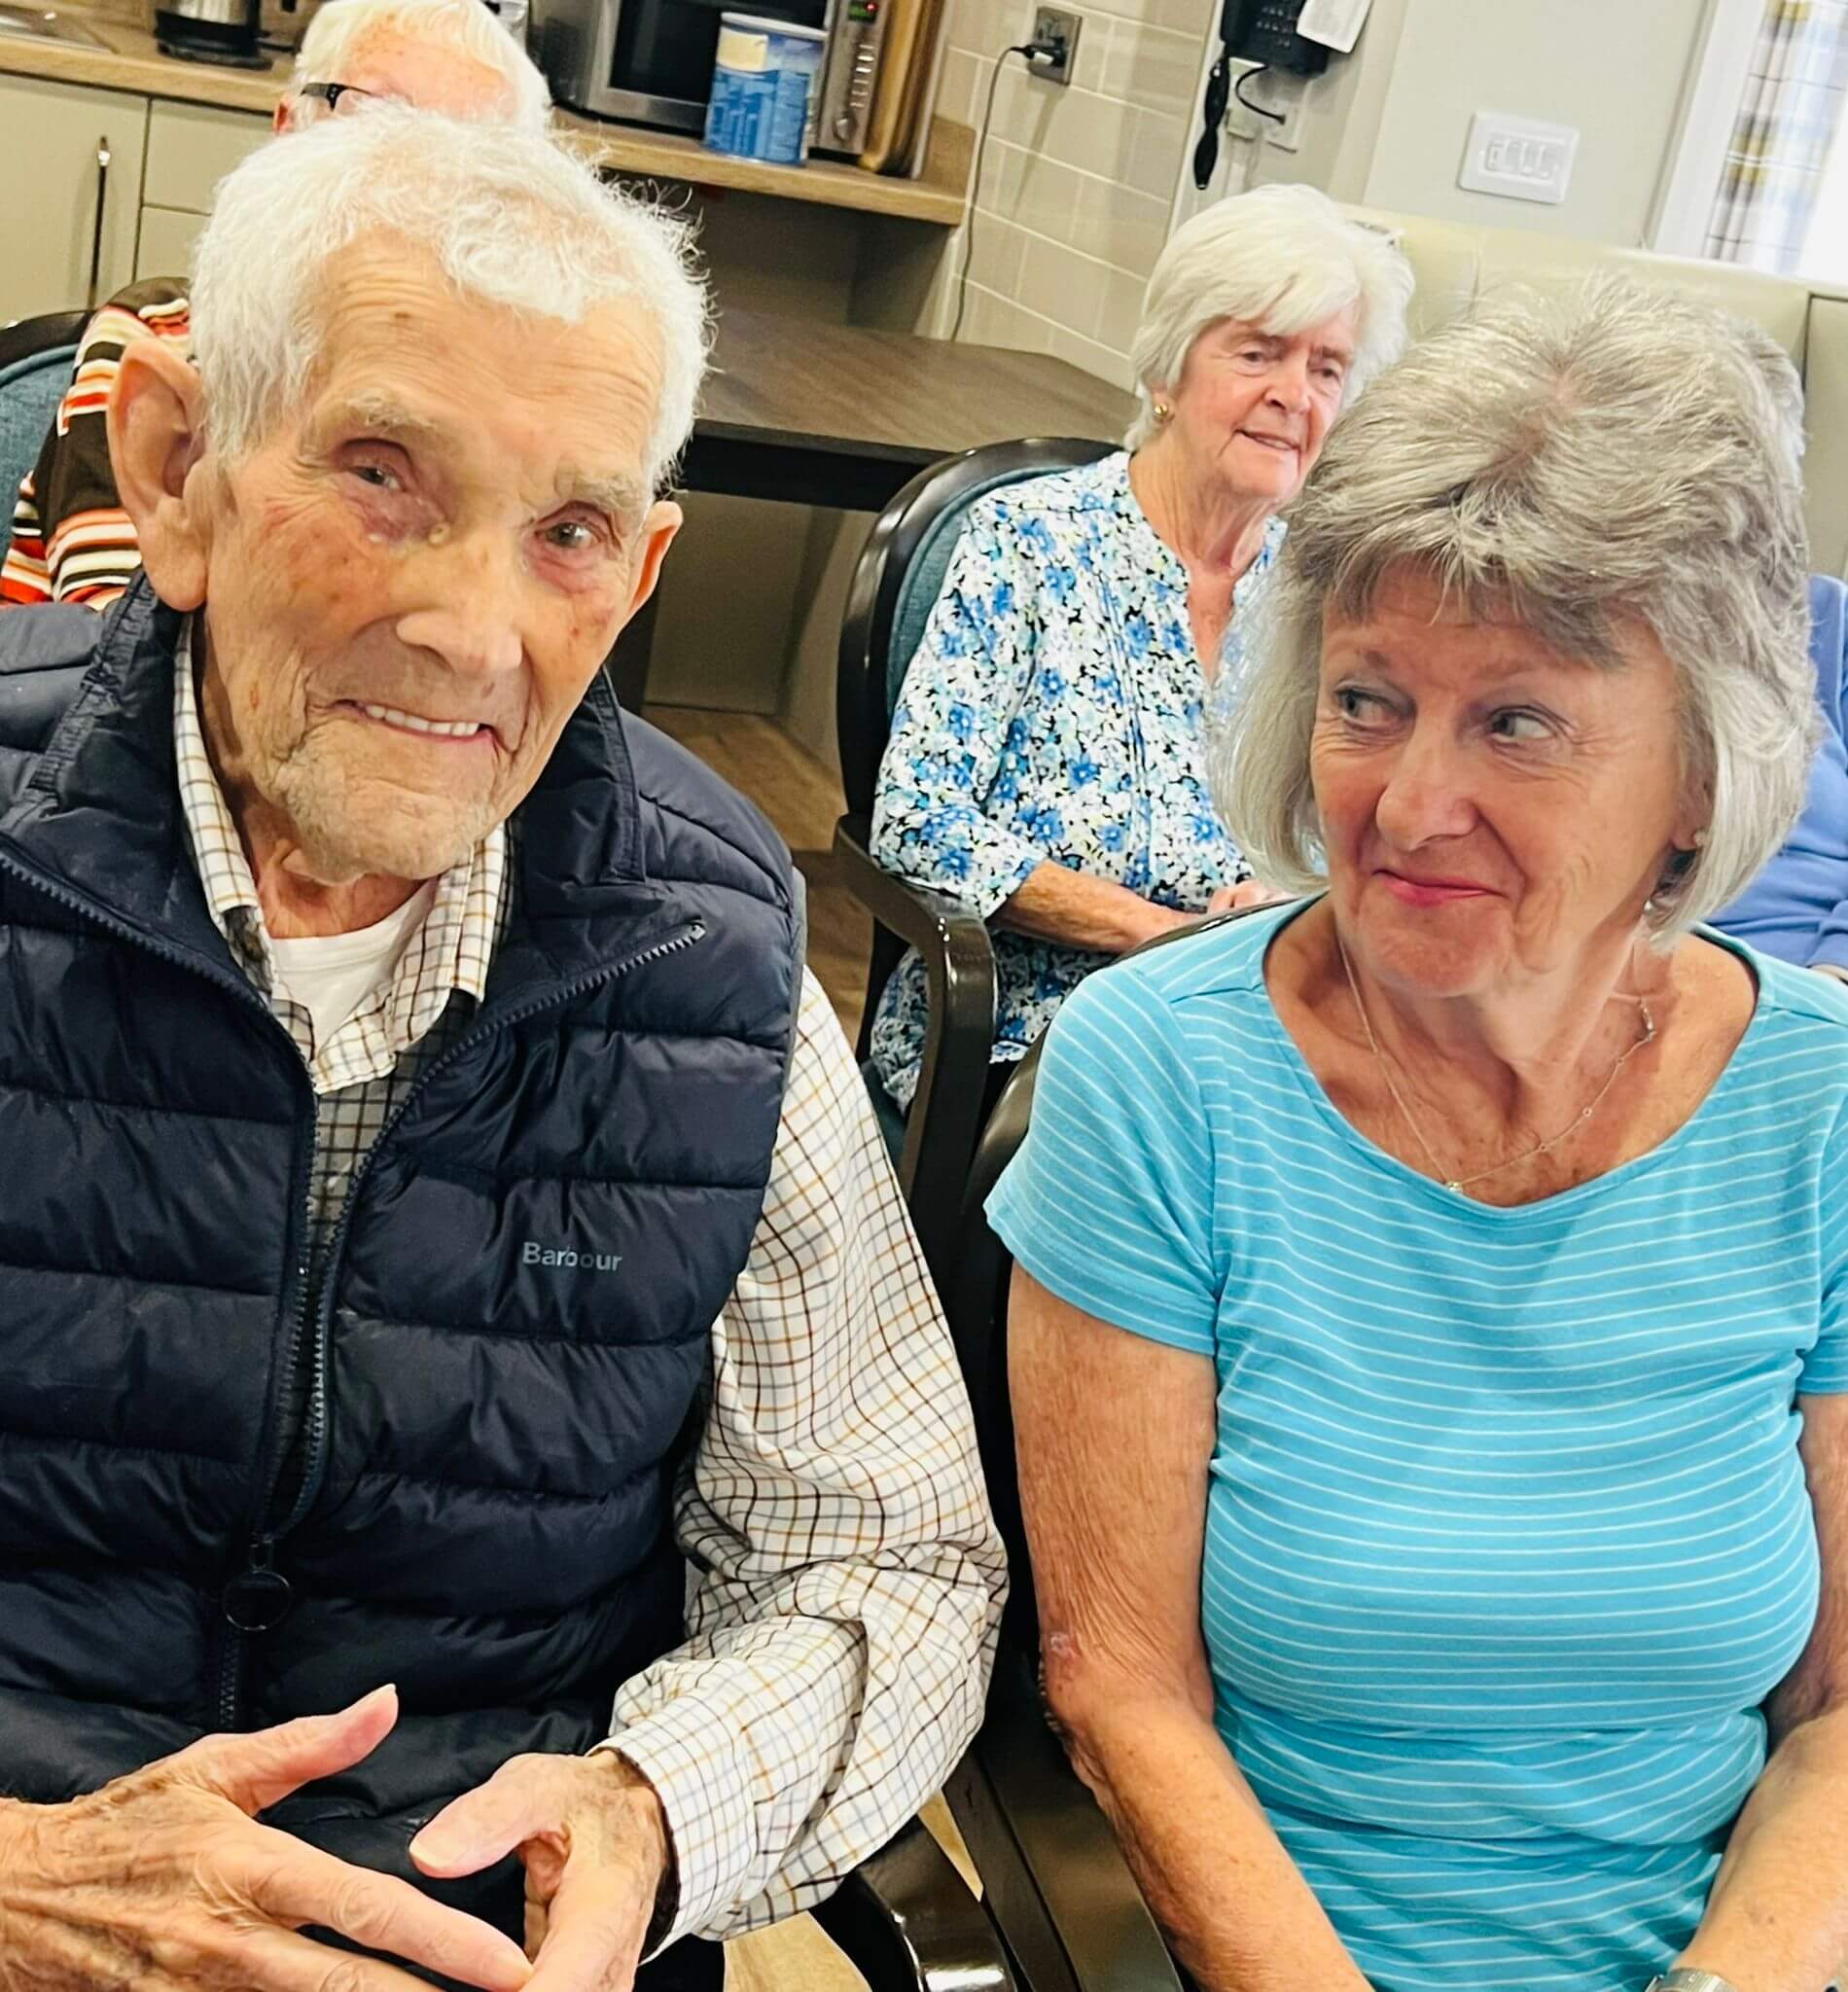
331 93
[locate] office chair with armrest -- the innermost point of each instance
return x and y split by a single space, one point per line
36 356
895 586
1055 1883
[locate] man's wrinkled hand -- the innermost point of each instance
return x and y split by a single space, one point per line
165 1882
592 1835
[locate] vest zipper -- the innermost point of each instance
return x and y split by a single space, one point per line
314 1451
258 1595
254 1592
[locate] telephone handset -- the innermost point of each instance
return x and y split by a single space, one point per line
1261 31
1265 31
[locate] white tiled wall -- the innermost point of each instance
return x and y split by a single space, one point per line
1078 181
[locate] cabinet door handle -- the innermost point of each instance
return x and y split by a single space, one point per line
96 236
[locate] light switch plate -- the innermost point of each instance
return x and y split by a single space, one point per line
1521 159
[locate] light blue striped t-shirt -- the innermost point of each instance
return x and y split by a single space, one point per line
1507 1532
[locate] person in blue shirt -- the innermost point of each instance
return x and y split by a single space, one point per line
1796 907
1429 1343
1046 765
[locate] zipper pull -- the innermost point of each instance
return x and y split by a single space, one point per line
258 1599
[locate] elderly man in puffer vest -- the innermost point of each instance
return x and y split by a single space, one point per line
436 1210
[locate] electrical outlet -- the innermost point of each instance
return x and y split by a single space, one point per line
1241 120
1055 27
1279 93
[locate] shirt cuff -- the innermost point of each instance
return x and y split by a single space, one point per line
998 864
956 850
693 1759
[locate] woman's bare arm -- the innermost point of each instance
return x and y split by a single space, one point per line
1056 903
1777 1918
1115 1434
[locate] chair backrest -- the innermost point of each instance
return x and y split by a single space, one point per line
36 357
897 582
975 1303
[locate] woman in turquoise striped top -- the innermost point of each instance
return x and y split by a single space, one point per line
1465 1601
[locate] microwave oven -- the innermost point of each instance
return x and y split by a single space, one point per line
650 61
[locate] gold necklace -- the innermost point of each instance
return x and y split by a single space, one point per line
1458 1183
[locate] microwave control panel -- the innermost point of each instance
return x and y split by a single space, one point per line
853 72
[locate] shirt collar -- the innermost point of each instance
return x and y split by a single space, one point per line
467 906
1156 551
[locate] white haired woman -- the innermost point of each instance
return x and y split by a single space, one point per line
71 538
1046 765
1479 1504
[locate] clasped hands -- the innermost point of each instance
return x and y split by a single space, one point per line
164 1879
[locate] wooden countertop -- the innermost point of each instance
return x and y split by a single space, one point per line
129 60
849 390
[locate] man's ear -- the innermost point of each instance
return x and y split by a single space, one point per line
156 437
662 520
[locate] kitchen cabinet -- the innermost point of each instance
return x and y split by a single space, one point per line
190 148
75 157
167 235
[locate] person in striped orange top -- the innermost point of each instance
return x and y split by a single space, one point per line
71 541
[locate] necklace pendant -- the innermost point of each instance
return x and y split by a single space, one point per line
1455 1189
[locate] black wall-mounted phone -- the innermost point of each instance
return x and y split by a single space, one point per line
1265 31
1261 31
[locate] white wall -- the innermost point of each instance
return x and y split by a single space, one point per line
1387 125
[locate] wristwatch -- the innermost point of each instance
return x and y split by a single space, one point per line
1679 1980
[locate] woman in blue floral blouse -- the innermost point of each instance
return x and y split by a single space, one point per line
1046 765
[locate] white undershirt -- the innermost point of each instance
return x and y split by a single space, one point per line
334 975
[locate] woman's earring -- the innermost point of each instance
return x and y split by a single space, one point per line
1163 413
1701 839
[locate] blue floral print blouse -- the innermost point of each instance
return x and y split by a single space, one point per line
1055 710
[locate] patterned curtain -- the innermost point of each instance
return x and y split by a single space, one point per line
1788 118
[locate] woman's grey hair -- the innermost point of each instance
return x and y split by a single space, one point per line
510 215
1279 259
342 27
1618 458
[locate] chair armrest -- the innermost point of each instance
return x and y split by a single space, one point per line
1056 1884
959 966
909 1922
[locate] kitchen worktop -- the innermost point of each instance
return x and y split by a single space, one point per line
131 61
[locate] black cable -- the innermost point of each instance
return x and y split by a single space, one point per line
1028 50
1258 110
1212 117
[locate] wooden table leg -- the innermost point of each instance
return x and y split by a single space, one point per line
627 662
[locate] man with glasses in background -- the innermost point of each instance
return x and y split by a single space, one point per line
71 540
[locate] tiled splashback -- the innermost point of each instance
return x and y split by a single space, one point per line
1078 181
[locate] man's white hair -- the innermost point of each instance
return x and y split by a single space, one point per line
341 29
510 215
1280 259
